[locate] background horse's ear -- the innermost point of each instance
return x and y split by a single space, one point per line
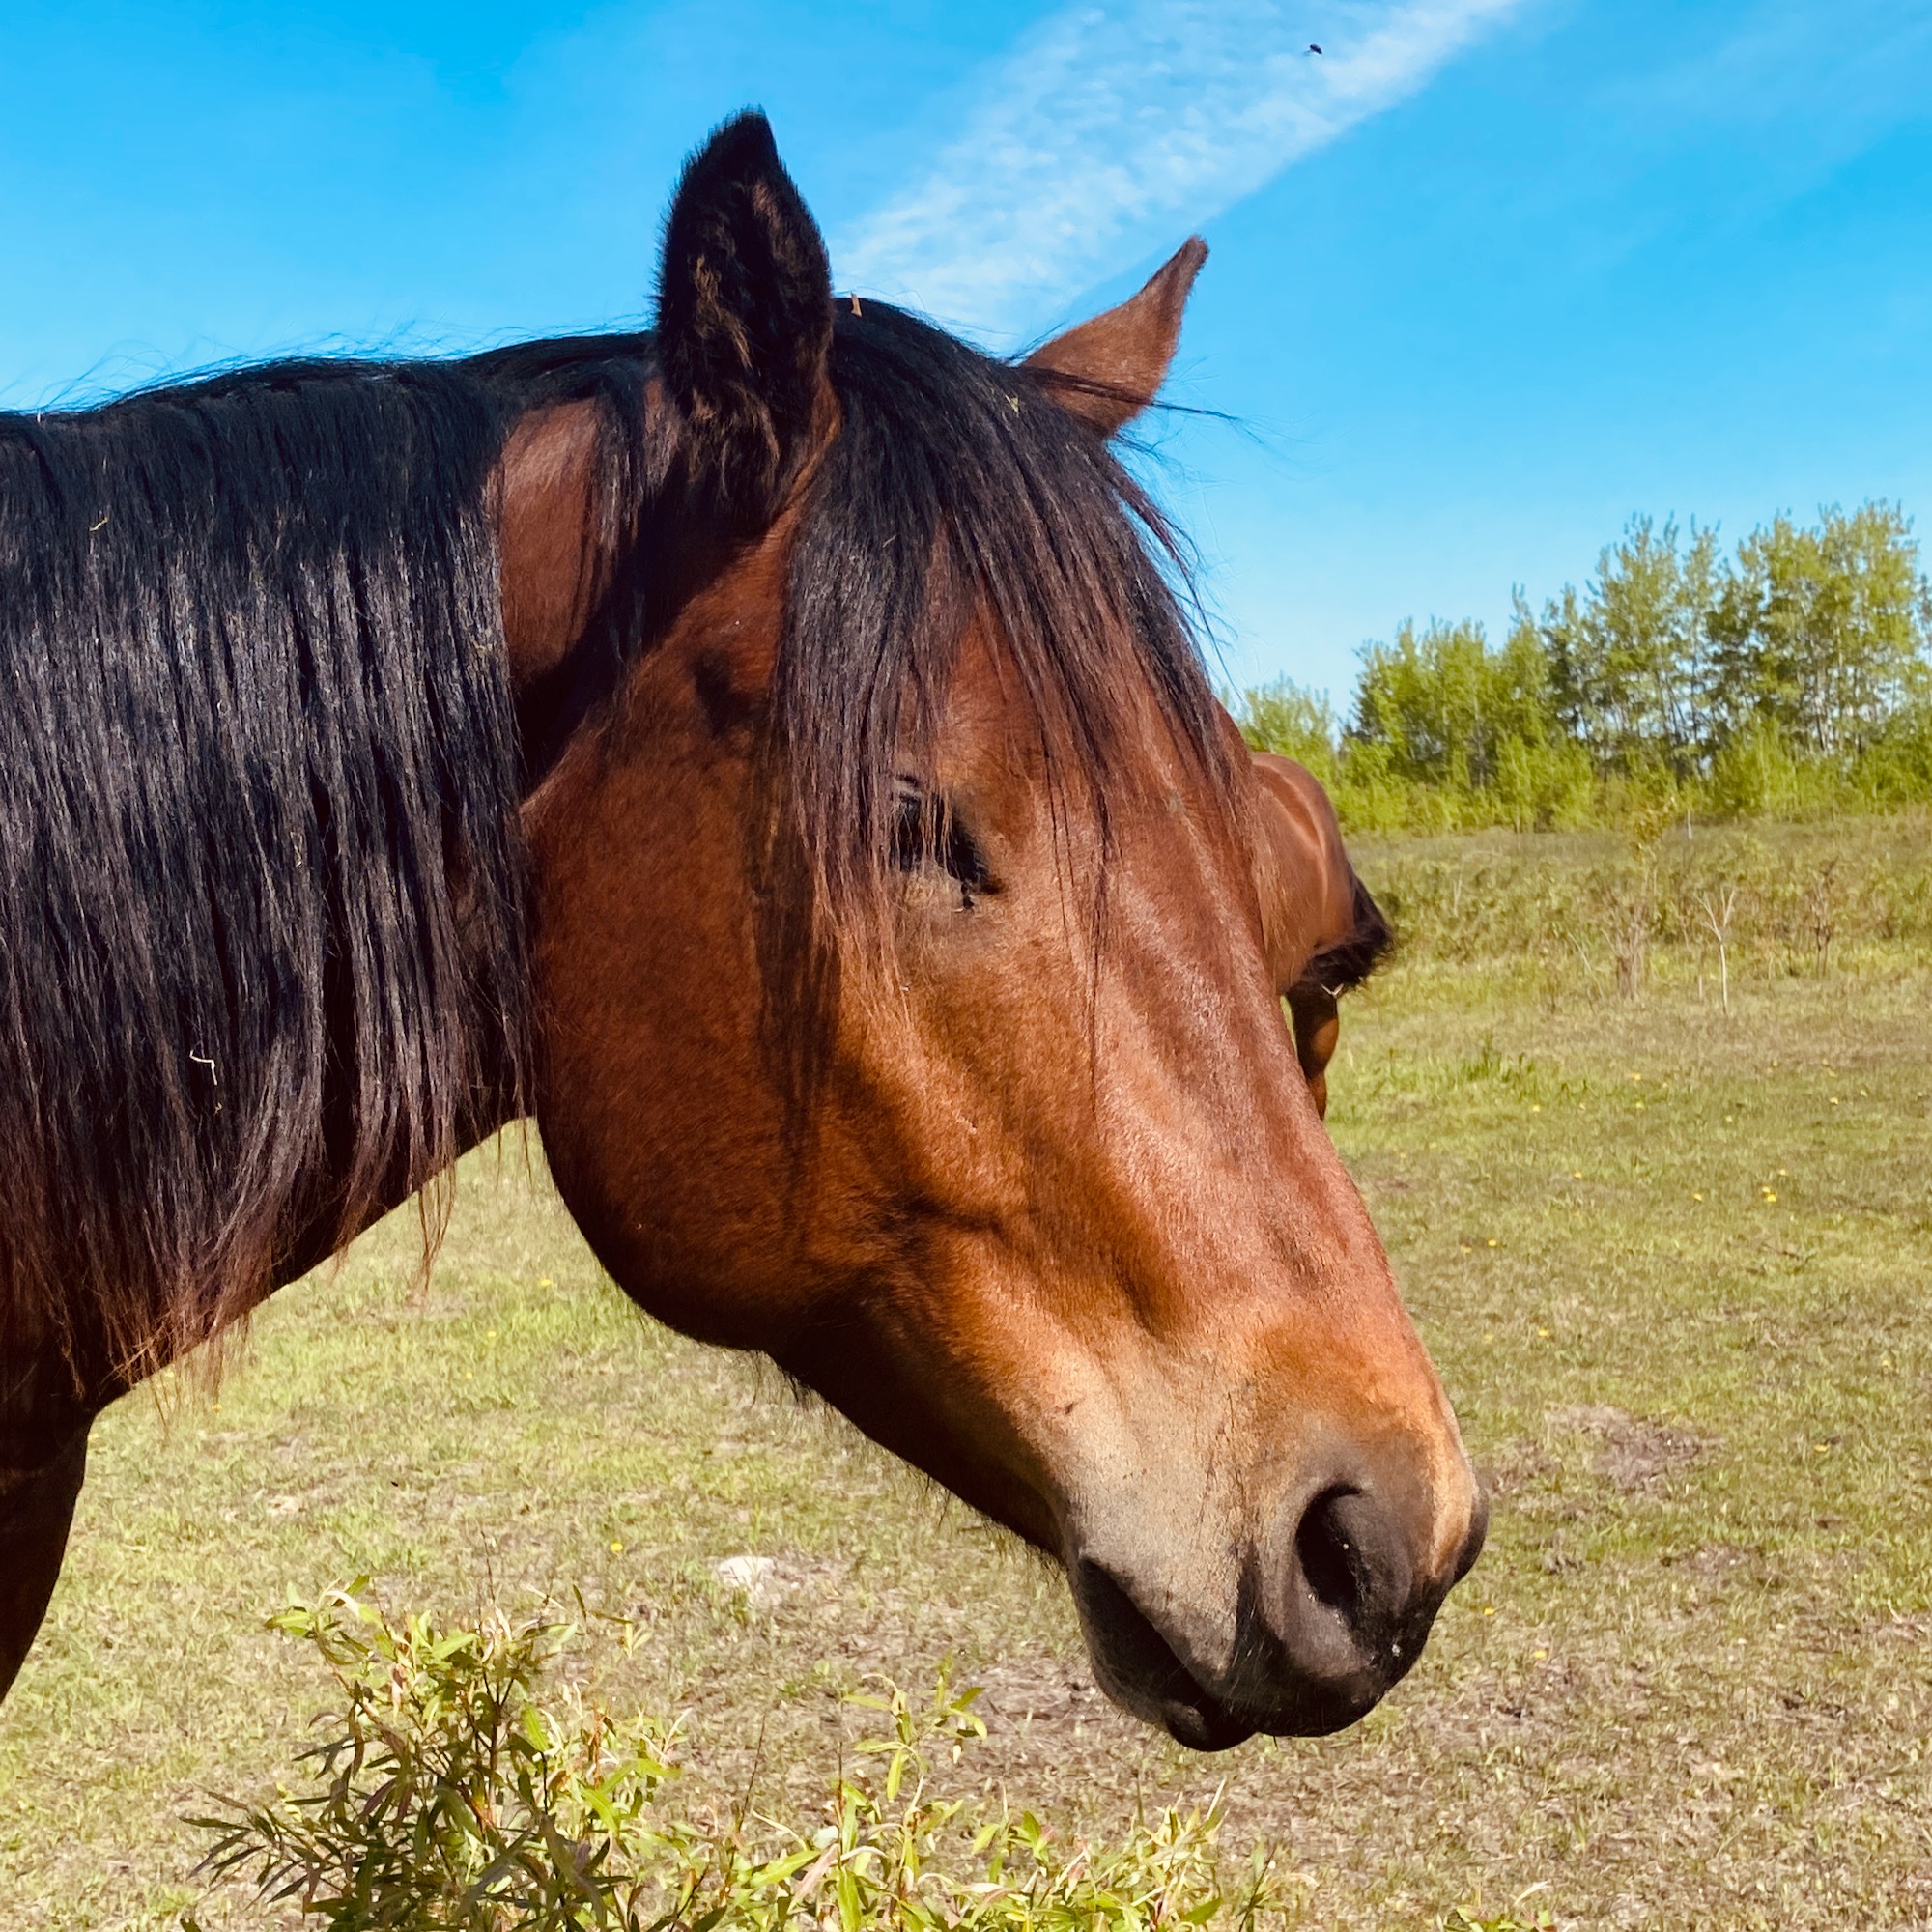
743 321
1319 929
1109 369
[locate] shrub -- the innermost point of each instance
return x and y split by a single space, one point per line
1898 769
447 1797
443 1794
1546 786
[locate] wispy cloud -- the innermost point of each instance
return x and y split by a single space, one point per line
1107 128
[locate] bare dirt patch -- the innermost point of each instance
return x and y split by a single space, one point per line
1636 1454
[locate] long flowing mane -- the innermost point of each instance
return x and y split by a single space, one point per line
259 867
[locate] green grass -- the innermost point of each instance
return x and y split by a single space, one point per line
1688 1684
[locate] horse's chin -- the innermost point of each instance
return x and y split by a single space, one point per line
1138 1669
1201 1724
1141 1672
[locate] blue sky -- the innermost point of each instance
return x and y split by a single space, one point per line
1488 276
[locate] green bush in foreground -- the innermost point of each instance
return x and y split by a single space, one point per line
447 1798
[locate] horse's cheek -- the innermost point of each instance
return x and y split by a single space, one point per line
662 1136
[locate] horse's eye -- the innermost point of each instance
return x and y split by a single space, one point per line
926 831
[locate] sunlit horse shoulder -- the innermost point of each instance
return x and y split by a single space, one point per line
769 750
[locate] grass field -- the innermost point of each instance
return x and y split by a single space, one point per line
1677 1271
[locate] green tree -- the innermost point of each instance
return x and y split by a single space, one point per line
1295 723
1446 706
1796 680
1422 697
1822 633
1440 713
1627 656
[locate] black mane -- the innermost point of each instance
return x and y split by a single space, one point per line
1346 965
259 859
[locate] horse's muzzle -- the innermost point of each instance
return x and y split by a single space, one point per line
1328 1615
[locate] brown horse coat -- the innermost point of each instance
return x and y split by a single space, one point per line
903 929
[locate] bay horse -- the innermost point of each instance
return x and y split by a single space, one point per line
770 751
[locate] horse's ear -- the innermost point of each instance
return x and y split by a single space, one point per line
1107 370
1321 931
743 321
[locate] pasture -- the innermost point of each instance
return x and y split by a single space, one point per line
1676 1269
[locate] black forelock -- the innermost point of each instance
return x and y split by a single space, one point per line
1342 967
958 482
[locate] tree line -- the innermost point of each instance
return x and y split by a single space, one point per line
1790 678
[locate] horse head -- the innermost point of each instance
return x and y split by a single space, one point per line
910 932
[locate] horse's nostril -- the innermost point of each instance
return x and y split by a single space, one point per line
1354 1562
1330 1557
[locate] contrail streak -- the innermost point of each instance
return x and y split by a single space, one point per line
1108 128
